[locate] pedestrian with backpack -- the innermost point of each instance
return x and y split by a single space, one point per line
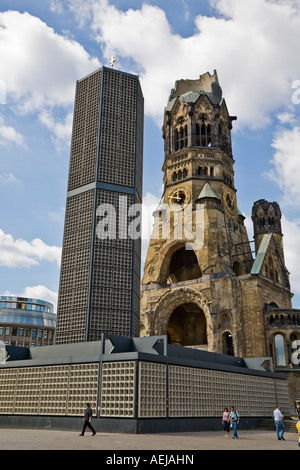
235 420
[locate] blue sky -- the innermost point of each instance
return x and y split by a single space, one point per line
46 46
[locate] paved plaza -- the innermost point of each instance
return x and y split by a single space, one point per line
21 439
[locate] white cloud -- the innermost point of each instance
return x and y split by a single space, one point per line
60 129
286 118
39 68
252 44
186 9
249 227
21 253
37 292
291 231
285 161
56 6
57 215
7 178
43 293
2 92
9 135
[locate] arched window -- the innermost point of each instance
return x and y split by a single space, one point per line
280 350
208 135
203 135
197 141
227 344
238 268
271 215
181 138
176 140
185 137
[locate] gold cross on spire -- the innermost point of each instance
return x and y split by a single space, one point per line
112 61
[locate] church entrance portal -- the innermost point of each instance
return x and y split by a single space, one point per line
187 326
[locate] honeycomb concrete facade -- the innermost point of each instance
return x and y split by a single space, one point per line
134 385
100 275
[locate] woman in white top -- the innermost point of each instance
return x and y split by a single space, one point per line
278 423
226 421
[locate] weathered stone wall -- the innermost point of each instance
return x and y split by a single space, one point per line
228 297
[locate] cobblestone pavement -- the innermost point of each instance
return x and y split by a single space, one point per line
20 439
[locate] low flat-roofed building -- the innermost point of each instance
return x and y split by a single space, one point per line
135 385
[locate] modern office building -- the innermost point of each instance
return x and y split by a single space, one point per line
26 322
100 270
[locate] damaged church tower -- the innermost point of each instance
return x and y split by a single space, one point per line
206 285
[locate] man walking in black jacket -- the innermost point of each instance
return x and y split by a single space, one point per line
88 412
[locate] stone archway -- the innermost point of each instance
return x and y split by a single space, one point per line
187 326
178 263
184 266
225 334
180 311
227 343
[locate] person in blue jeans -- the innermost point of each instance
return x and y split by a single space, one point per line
278 423
235 420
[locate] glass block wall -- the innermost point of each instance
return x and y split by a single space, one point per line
137 389
60 390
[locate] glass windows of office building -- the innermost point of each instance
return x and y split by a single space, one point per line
26 322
